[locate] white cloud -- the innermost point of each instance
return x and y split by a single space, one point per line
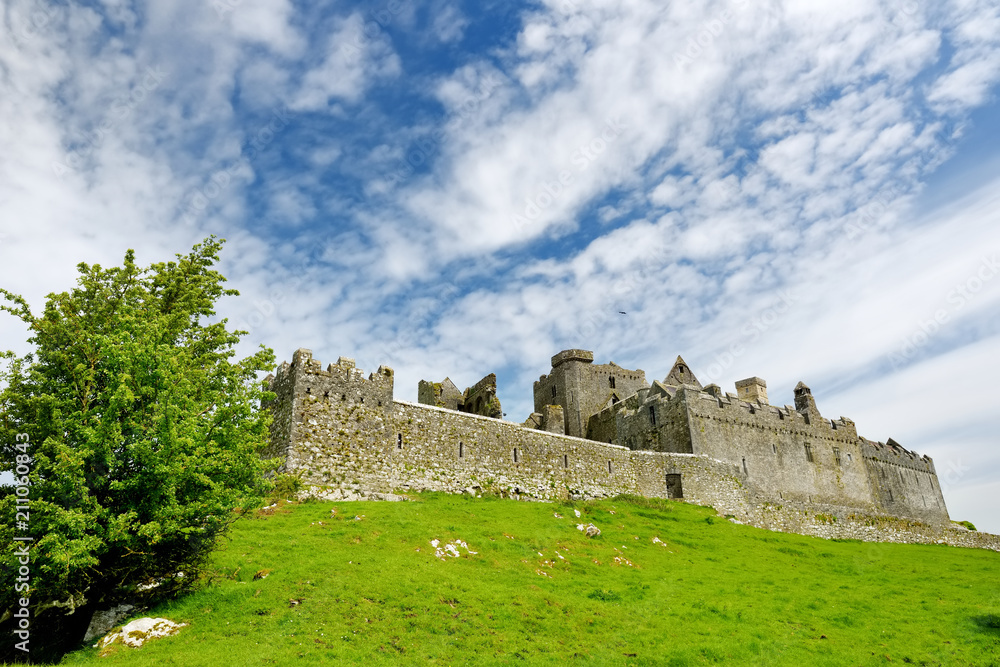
354 59
835 116
449 22
967 85
265 22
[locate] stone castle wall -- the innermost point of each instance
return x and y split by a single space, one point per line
786 457
787 454
346 431
335 427
903 483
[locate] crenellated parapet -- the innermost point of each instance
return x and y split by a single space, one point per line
893 453
341 381
730 408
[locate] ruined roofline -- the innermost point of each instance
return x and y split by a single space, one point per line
490 381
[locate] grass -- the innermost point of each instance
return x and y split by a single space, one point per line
371 591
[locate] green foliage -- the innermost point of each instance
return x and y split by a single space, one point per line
967 524
286 486
604 595
363 586
144 438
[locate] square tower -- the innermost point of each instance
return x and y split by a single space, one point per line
752 390
584 388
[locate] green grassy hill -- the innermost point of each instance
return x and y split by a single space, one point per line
665 583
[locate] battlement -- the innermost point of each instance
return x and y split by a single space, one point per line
736 408
752 389
342 381
894 453
584 356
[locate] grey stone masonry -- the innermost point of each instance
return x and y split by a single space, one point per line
584 389
599 431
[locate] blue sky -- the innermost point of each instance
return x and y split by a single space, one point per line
797 190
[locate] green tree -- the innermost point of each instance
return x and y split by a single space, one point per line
144 439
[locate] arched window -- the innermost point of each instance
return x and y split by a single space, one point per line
611 381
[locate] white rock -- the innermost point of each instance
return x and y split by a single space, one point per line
141 630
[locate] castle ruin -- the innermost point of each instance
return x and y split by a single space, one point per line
597 430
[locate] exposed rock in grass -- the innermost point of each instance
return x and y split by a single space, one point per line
450 549
138 632
346 495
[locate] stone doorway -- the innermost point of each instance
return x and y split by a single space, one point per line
674 489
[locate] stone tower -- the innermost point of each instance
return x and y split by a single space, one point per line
584 388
